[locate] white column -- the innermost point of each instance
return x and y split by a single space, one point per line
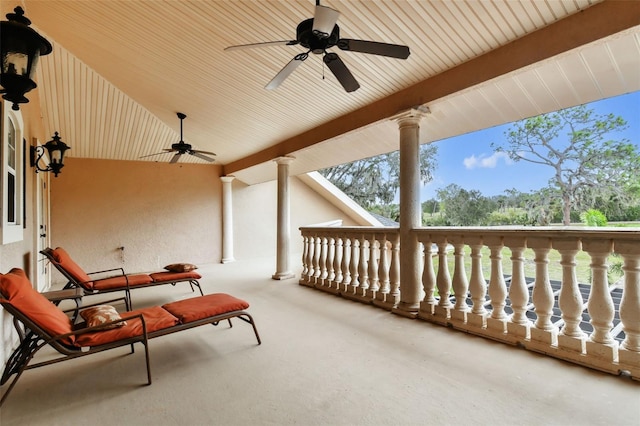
283 232
227 219
410 213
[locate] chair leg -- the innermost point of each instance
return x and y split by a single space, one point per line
197 284
250 320
145 342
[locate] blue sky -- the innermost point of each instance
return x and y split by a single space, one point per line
469 161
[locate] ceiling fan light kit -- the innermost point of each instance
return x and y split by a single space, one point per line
320 33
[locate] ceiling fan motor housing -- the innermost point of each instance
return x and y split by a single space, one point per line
307 38
181 147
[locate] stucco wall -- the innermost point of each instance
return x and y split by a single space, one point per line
163 213
160 213
255 217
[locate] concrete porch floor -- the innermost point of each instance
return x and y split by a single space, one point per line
323 361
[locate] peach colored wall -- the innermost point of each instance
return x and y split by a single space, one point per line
160 213
163 213
255 219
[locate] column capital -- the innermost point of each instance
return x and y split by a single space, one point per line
412 115
226 179
284 160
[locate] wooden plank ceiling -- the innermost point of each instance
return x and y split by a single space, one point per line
121 69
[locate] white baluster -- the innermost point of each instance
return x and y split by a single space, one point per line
428 281
570 301
346 263
394 271
310 257
630 304
383 273
355 264
317 252
305 252
337 264
519 325
544 331
331 253
363 267
323 259
477 284
460 283
374 253
600 305
497 321
442 311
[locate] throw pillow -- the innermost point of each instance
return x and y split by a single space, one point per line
102 314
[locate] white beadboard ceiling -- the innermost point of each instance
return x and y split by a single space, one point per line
121 69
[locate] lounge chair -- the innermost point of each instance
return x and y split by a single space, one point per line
44 323
120 282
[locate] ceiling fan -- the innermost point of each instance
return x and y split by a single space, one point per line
320 33
183 148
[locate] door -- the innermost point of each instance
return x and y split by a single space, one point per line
42 232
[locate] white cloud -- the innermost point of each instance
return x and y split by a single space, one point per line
486 162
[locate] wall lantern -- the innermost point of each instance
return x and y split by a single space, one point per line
56 148
20 48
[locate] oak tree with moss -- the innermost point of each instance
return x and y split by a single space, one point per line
580 146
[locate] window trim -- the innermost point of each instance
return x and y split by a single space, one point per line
12 231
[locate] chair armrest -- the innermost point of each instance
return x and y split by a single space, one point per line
104 302
108 270
101 327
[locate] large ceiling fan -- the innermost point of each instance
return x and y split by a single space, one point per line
319 34
182 147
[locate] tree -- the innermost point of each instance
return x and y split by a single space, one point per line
582 157
464 208
375 181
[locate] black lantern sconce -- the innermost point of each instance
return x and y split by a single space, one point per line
20 48
56 149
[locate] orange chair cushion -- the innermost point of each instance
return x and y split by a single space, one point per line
155 318
17 289
121 282
196 308
64 260
175 276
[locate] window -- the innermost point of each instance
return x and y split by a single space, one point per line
11 163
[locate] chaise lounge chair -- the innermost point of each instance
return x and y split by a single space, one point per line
121 282
44 323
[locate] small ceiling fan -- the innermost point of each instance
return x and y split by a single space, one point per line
183 148
319 34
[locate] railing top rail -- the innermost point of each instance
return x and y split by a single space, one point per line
577 232
554 232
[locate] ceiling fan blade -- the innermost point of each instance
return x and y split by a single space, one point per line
342 73
151 155
202 157
203 152
175 158
374 48
324 20
265 44
286 71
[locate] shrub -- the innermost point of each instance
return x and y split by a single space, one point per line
593 217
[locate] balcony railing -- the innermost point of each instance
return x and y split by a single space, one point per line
594 324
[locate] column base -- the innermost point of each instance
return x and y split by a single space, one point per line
228 260
283 275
